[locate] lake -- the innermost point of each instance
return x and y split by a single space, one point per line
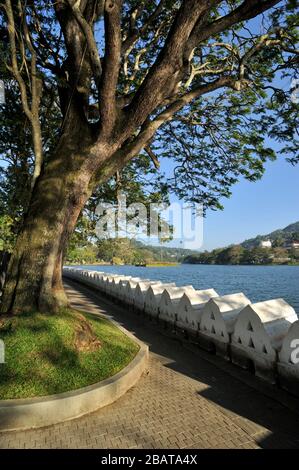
257 282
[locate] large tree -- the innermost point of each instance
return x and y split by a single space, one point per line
127 77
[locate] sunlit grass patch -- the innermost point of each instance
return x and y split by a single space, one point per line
48 354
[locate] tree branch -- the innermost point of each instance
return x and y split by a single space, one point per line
152 156
165 73
149 128
135 33
133 147
247 10
32 112
111 65
14 68
77 72
90 39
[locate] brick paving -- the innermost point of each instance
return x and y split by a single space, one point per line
182 401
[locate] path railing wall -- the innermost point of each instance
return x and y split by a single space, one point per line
262 337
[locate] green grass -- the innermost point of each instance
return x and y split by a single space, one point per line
41 357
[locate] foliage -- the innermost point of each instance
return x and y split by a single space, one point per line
7 236
212 141
16 155
117 261
239 255
82 254
124 251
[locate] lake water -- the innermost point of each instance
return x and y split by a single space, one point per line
257 282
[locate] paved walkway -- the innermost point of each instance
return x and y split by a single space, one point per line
183 401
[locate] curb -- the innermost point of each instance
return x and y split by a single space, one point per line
39 412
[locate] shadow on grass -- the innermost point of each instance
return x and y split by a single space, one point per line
37 348
42 358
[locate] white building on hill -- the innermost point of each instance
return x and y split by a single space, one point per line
266 244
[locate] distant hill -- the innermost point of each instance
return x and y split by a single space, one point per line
285 235
164 252
249 252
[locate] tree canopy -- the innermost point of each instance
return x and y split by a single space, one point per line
203 85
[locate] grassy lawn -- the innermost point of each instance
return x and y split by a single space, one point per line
48 354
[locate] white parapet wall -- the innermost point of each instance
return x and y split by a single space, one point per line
190 309
258 335
69 272
91 278
128 290
103 281
121 289
170 298
263 336
73 273
217 322
95 279
152 298
117 287
110 283
140 292
288 360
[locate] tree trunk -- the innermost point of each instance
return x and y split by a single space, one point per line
4 260
33 279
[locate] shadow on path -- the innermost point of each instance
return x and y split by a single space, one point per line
268 422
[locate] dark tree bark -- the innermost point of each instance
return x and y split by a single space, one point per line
34 277
4 260
32 281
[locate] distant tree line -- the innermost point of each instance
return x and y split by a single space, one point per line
120 251
237 254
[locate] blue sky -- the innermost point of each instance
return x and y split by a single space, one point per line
256 208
